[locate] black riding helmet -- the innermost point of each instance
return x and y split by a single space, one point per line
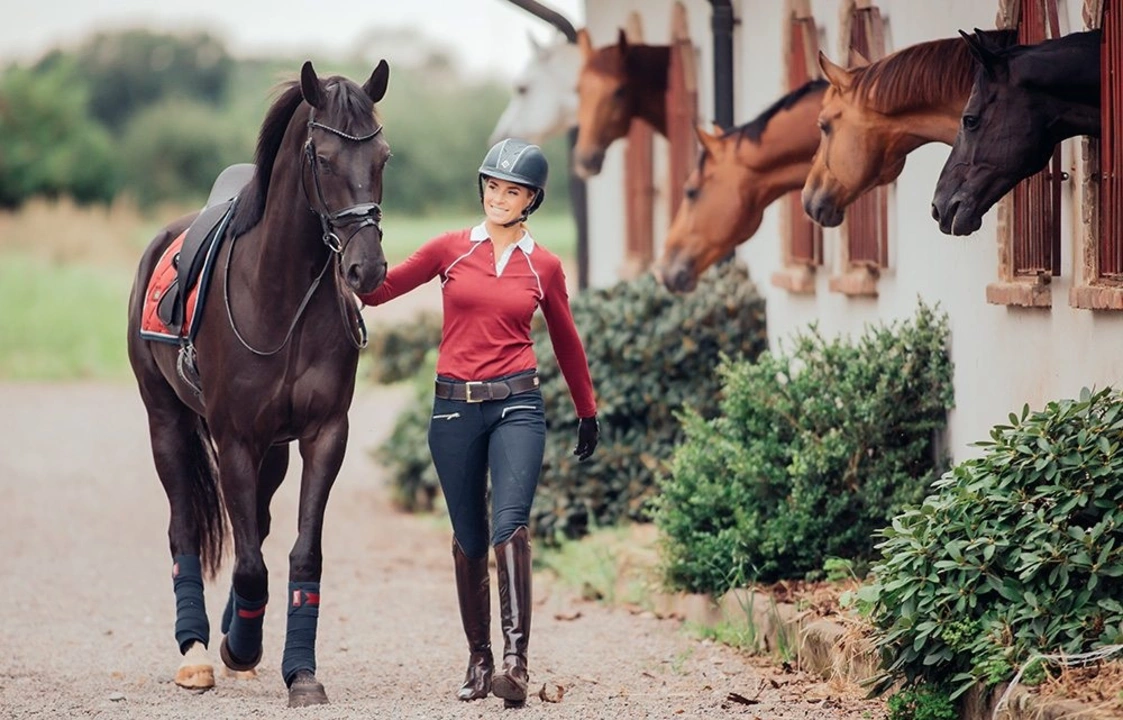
518 162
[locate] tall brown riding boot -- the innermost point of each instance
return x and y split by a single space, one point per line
512 559
474 591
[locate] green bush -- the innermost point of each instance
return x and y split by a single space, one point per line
812 452
1018 551
397 351
650 353
414 484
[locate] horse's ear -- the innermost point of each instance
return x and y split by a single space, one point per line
838 76
987 41
984 55
375 87
710 143
584 44
310 86
857 59
539 51
622 40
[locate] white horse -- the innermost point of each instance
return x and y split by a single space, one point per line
544 102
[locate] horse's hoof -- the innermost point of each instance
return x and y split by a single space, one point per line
196 671
306 690
239 674
234 663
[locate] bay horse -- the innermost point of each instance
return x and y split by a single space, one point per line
617 83
1025 100
276 358
874 116
544 101
739 174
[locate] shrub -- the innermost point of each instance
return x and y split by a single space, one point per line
812 452
397 351
650 353
414 484
1018 551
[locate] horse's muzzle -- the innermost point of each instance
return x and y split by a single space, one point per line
589 164
821 209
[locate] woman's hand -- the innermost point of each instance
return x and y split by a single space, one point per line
588 433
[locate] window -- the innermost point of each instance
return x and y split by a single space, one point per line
1099 258
865 232
1029 217
802 239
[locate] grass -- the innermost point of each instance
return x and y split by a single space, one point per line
66 270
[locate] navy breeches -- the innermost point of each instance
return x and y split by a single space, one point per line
466 440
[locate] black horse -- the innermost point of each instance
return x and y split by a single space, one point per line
275 354
1026 99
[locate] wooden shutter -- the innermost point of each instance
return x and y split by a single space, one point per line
867 218
1036 209
1110 250
639 185
805 243
682 107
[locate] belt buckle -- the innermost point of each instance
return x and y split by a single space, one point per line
468 391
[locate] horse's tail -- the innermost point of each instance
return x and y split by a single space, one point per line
206 499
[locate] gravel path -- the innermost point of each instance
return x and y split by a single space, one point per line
87 597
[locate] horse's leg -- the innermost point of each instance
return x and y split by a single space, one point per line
323 456
238 468
270 476
184 464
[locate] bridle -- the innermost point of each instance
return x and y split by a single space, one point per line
360 216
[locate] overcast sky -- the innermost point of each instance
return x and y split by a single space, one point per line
486 35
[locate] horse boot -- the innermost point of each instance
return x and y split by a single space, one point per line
512 559
473 589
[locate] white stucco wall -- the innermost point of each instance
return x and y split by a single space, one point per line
1004 356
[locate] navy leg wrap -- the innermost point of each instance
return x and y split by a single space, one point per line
190 611
244 637
300 640
228 613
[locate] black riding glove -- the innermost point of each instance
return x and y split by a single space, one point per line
588 433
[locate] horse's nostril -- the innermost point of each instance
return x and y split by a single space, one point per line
935 212
354 278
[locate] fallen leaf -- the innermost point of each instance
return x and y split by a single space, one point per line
739 698
555 697
572 615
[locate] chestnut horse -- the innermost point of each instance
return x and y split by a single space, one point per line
874 116
277 352
617 83
1026 99
739 174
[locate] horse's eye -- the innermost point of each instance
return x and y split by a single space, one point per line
825 127
521 90
970 122
691 192
619 93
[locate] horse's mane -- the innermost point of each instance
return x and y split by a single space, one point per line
352 112
754 129
920 75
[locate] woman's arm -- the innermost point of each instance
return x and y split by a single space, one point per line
419 268
567 344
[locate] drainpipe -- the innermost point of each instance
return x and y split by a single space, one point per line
722 25
577 190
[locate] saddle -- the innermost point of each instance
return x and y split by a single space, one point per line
200 243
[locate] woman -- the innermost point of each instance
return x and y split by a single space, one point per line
488 411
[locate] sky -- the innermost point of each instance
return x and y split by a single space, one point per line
486 36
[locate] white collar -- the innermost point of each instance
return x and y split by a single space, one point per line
525 243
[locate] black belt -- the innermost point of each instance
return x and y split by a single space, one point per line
475 392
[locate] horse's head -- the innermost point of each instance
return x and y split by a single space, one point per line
1005 134
604 110
544 102
857 149
345 154
714 216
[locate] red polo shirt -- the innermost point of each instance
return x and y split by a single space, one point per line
487 310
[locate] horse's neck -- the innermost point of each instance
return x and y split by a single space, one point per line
288 242
787 146
1068 70
1073 119
647 73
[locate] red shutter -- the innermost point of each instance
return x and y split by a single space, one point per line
1111 144
1037 199
867 218
639 184
682 107
806 246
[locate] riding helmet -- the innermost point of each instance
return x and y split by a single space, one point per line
518 162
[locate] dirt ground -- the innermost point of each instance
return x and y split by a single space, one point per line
88 605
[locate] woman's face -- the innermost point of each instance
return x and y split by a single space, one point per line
505 201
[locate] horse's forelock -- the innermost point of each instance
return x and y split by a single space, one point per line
349 109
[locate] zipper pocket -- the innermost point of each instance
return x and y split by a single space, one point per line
447 416
516 407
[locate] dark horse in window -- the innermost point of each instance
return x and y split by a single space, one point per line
272 361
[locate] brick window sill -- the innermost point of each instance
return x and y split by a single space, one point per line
798 279
1032 292
858 281
1096 297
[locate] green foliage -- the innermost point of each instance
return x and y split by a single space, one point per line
48 145
397 351
174 150
1018 551
414 484
811 453
650 353
925 702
